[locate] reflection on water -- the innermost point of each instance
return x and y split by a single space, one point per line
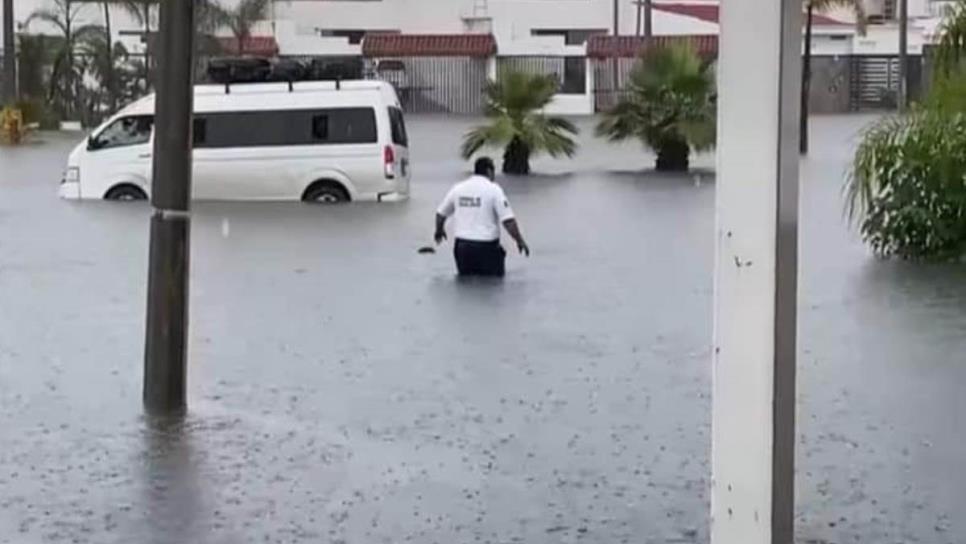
173 499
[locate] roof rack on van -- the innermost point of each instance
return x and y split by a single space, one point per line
234 70
291 86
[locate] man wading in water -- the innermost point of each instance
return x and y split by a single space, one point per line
478 207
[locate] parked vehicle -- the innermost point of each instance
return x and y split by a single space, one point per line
314 141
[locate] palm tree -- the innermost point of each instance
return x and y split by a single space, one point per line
516 121
142 11
811 6
102 62
108 80
240 19
951 49
65 79
669 106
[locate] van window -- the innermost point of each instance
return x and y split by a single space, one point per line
285 128
399 136
126 131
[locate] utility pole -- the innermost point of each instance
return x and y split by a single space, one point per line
640 10
9 55
645 13
902 92
615 62
648 18
165 355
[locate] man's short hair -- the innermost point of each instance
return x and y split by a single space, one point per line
484 166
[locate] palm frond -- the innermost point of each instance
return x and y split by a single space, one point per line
552 135
857 7
47 16
496 133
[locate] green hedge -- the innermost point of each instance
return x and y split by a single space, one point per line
907 187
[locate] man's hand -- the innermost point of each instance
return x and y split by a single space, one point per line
440 235
523 247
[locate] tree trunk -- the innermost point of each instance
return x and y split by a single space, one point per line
111 80
70 86
902 96
806 82
147 47
673 156
516 158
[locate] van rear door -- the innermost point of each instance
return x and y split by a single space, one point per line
400 141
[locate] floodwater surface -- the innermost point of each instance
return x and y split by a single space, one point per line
345 388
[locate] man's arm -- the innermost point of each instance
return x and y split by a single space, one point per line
440 228
505 213
446 209
513 228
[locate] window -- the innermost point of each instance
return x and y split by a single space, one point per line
286 127
126 131
398 123
320 127
575 76
199 132
572 36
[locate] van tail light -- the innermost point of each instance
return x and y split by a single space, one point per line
389 160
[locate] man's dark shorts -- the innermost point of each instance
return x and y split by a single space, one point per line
479 258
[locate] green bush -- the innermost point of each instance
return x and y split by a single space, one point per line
669 106
907 187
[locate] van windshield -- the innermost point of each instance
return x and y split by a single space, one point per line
399 136
126 131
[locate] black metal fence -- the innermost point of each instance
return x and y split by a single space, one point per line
434 84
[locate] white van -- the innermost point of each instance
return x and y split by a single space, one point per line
314 141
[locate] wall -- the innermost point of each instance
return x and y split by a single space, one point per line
884 40
511 19
831 84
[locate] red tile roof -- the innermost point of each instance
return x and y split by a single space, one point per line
258 46
429 45
632 46
709 13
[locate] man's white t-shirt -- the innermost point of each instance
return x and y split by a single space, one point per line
478 207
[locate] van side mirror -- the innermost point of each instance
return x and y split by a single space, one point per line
91 143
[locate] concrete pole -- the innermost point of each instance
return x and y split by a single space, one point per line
902 94
167 314
9 55
753 419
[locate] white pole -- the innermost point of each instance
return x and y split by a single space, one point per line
753 437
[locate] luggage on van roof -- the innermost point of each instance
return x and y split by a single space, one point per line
225 70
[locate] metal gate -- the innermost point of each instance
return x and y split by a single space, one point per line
435 84
875 82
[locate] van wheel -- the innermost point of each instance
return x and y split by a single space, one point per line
126 192
326 193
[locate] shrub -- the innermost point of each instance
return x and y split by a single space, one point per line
669 106
907 187
515 121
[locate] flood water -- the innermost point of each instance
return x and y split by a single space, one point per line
344 388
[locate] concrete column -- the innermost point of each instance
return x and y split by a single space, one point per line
753 437
491 68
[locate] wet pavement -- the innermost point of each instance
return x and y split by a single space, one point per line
344 388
